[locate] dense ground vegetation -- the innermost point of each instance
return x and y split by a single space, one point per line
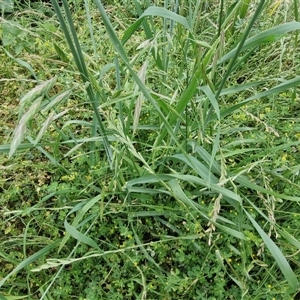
150 150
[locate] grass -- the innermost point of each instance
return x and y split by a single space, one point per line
153 151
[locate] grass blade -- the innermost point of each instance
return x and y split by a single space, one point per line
26 262
79 236
269 35
159 12
119 48
21 63
75 48
277 89
78 217
277 255
239 48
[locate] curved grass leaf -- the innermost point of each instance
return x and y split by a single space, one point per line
291 239
148 179
238 50
61 53
69 31
10 297
211 96
206 157
179 194
180 234
78 217
240 88
231 197
277 89
21 63
184 100
159 12
268 35
197 166
26 262
245 182
145 252
79 236
121 51
282 263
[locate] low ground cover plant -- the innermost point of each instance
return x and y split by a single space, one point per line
149 150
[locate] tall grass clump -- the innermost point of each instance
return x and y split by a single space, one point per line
180 175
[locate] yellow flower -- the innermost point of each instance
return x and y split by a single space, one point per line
267 109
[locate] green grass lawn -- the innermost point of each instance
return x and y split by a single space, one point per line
150 150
